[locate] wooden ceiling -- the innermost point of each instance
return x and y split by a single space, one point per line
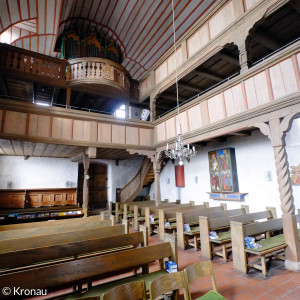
143 28
30 149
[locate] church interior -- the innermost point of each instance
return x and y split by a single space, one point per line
149 149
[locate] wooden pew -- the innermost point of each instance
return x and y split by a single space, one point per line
192 218
75 272
170 215
182 218
154 210
50 223
56 253
219 225
67 227
272 246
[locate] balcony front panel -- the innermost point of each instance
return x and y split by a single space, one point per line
262 88
60 126
99 74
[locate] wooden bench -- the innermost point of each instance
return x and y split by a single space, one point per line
51 223
154 210
191 218
46 230
272 246
224 237
76 272
169 215
31 256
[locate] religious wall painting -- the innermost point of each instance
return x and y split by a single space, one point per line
222 170
295 175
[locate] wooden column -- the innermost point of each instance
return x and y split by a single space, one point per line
86 165
156 168
243 57
276 130
68 99
152 107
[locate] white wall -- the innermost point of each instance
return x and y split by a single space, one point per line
118 176
37 172
254 157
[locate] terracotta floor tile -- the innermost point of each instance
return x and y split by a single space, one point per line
278 292
295 293
265 297
290 285
243 296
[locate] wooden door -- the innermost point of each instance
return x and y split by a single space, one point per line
97 185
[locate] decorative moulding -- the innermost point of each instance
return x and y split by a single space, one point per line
227 196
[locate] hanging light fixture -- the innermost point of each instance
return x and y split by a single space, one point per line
180 151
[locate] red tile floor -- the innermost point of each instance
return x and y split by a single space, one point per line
279 284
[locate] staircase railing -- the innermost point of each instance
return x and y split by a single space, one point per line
133 187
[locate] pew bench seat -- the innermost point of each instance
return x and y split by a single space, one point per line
224 238
194 233
103 288
271 247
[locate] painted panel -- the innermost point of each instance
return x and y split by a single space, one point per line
183 121
277 82
94 129
78 130
234 100
66 130
194 116
215 108
44 125
250 93
289 77
145 137
56 128
197 40
161 72
172 63
118 134
261 88
15 123
86 131
170 128
250 3
161 132
132 135
33 125
204 113
104 133
221 20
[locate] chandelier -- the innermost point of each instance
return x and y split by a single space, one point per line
180 151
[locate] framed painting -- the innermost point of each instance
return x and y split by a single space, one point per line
222 170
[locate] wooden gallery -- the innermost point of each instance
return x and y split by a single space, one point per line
150 149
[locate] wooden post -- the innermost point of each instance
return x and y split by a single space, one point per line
180 230
156 168
204 237
147 220
152 107
161 224
117 209
86 165
224 205
135 217
246 207
239 255
273 210
275 130
206 204
68 99
125 211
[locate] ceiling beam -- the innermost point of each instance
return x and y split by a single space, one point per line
229 58
30 91
78 99
241 133
55 94
3 86
266 39
295 4
209 75
190 87
169 96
